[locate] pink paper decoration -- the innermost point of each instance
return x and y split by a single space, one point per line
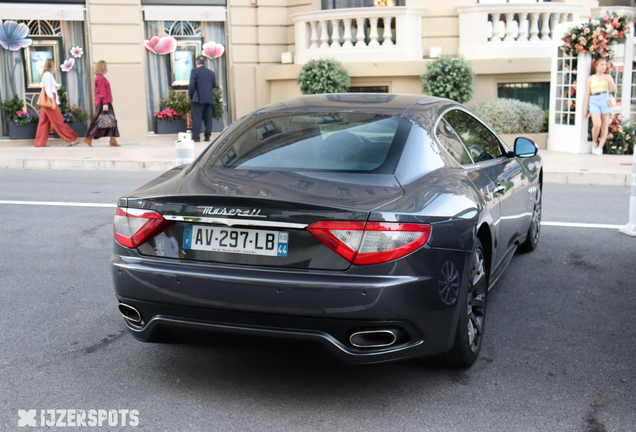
213 50
160 46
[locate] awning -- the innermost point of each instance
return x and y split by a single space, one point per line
49 12
184 13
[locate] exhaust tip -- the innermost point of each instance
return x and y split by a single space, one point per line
129 313
375 338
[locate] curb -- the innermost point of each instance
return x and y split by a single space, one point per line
588 178
556 177
86 164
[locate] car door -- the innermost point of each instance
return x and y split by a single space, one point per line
510 183
450 141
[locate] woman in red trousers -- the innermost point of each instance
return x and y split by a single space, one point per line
52 116
103 105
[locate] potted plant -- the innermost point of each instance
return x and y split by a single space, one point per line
171 118
74 116
170 122
23 125
9 109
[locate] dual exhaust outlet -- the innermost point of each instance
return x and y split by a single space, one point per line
375 338
130 313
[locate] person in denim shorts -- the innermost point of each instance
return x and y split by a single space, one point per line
597 91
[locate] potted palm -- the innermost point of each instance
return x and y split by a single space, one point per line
171 119
23 125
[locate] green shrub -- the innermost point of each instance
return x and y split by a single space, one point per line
217 108
323 76
451 78
11 107
510 116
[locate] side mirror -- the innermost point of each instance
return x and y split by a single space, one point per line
525 148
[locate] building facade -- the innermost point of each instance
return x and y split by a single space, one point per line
384 44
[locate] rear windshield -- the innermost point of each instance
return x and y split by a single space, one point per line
310 141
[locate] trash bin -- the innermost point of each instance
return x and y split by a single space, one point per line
185 148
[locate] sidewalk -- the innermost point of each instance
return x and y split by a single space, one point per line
160 156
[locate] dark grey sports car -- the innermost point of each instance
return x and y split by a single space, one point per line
374 224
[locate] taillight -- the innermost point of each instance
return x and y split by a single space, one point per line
371 242
135 226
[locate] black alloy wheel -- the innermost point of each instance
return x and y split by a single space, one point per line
472 314
535 225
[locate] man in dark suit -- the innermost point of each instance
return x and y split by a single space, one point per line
202 82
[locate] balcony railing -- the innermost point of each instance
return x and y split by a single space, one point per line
509 30
360 34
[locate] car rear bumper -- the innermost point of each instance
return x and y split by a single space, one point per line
317 306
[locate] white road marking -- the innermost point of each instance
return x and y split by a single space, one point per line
58 204
105 205
580 225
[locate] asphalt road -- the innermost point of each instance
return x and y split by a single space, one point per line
559 352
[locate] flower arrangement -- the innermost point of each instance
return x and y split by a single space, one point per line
621 136
23 118
168 114
597 35
176 101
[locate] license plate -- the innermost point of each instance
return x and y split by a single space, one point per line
235 240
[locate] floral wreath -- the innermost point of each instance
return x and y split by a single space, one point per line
597 35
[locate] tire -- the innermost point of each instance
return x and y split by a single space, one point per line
472 313
535 224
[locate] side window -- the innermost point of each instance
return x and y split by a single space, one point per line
482 144
453 145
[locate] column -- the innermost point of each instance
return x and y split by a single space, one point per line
373 33
360 33
347 33
314 34
324 34
534 26
388 32
335 33
545 28
510 19
523 27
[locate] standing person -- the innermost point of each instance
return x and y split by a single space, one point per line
52 116
597 96
202 83
103 105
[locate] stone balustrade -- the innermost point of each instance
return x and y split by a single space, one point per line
511 30
359 34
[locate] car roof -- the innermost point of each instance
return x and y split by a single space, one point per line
418 108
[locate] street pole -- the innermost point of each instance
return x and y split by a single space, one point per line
630 228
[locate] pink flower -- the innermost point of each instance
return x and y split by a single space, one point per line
620 117
610 136
68 64
586 30
606 17
160 46
213 50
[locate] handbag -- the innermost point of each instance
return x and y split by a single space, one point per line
45 101
106 121
611 100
